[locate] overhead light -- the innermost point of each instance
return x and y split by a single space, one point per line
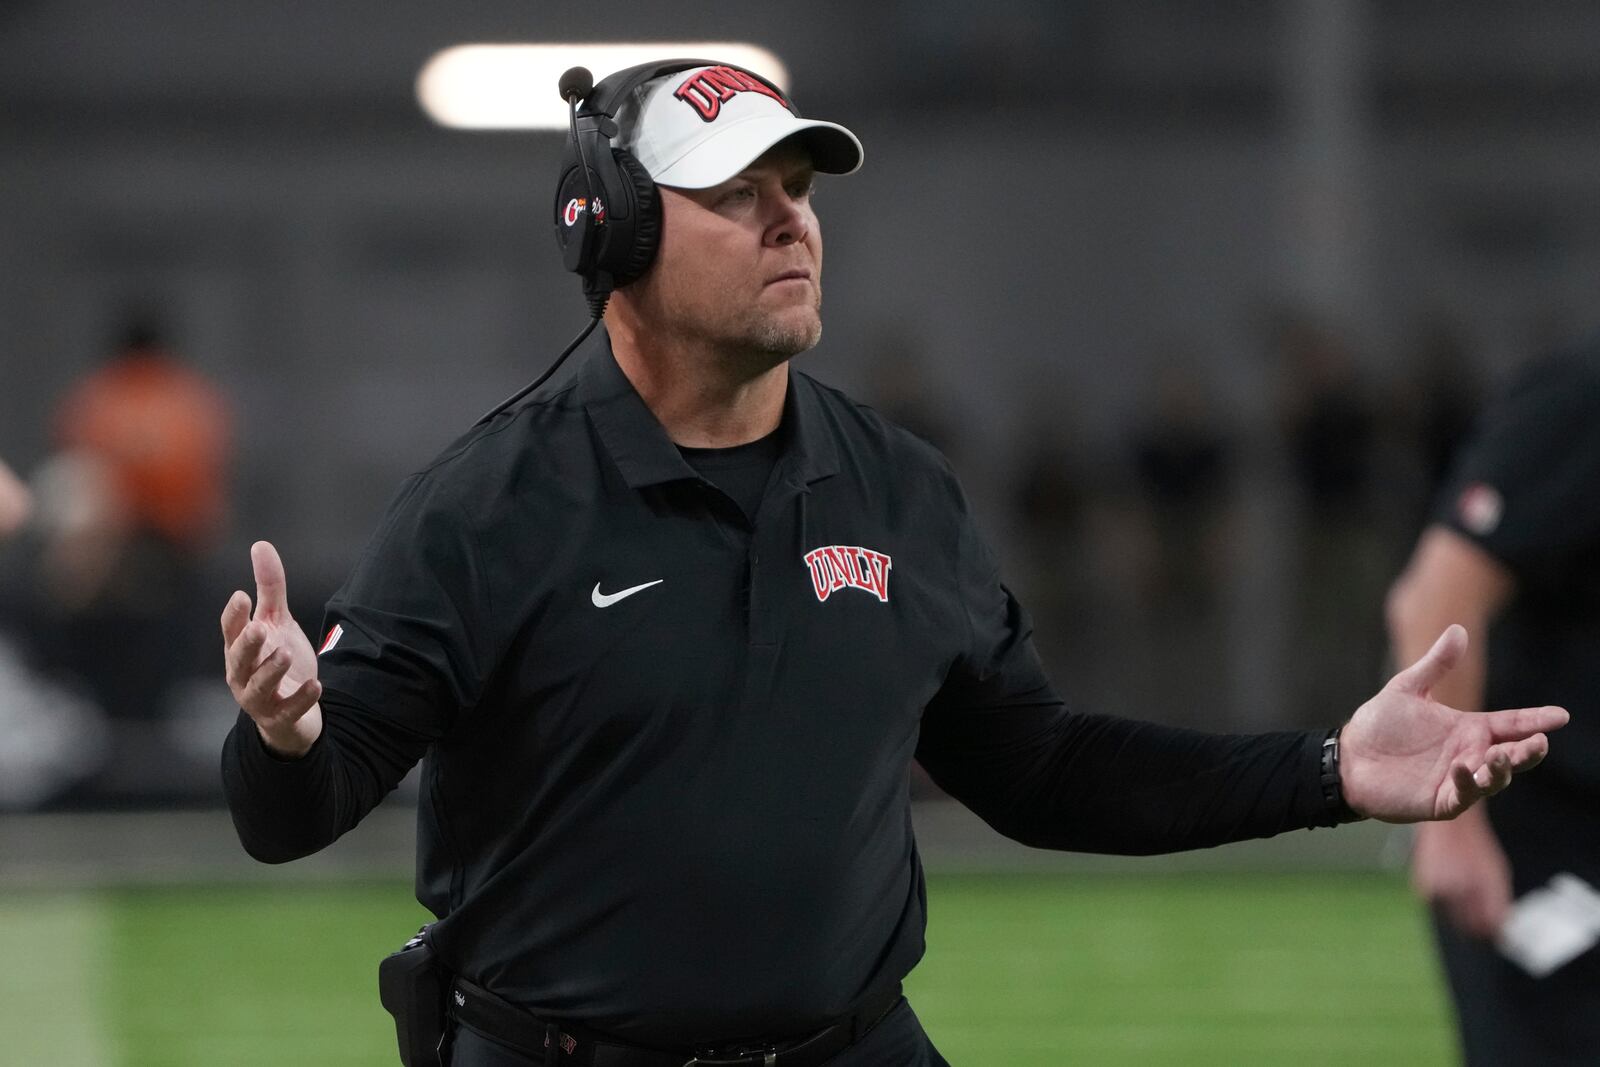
513 86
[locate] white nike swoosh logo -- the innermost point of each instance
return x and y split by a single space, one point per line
605 600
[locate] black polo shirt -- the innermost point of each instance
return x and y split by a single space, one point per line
667 746
1526 488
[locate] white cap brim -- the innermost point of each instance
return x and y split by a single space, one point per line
731 147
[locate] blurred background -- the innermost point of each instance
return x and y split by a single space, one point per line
1197 298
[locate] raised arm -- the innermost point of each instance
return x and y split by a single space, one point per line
324 736
999 739
1458 865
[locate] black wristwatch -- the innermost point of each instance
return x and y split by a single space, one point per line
1332 784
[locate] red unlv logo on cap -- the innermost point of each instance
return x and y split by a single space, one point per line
707 90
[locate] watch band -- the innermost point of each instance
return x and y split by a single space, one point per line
1332 783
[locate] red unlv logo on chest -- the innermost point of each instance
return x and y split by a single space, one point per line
833 567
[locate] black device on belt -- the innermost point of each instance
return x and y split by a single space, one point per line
569 1045
412 985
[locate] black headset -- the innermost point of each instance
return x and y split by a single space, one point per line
607 209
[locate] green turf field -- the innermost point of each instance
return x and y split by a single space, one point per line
1021 970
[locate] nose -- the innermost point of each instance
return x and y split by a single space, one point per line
791 225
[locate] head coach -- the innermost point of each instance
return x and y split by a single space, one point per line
668 636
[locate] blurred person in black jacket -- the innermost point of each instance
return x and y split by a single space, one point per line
1513 553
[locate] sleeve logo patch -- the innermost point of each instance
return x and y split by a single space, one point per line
1479 508
332 638
835 567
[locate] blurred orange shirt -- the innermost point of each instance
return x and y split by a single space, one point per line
165 433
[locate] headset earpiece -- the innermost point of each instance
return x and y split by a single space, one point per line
573 232
608 214
635 257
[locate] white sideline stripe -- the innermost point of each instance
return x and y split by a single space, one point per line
51 990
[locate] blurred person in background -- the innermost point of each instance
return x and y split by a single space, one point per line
1330 426
51 737
128 507
1185 464
668 636
1058 504
1086 548
16 502
900 386
1440 398
163 432
1513 553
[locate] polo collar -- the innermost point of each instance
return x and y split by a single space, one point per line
645 454
811 442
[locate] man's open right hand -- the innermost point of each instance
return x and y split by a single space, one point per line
271 666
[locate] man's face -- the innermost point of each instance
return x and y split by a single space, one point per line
740 264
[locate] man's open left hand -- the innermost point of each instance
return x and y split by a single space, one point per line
1405 757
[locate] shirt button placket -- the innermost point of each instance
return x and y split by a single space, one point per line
763 647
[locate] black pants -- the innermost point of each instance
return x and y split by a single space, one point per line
897 1041
1505 1016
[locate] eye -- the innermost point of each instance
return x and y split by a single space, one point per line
737 195
802 188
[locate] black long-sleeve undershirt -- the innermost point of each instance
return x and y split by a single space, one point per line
1034 772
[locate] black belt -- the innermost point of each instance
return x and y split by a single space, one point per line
569 1045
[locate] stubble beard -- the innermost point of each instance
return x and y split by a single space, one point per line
756 340
782 339
763 340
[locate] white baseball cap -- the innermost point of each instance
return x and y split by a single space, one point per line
699 127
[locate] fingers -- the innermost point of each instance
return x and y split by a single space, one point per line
1519 723
260 696
1468 791
301 700
243 656
1500 763
1446 652
1523 755
255 675
235 614
272 594
1495 774
261 691
250 653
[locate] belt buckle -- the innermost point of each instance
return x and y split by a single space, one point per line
756 1057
